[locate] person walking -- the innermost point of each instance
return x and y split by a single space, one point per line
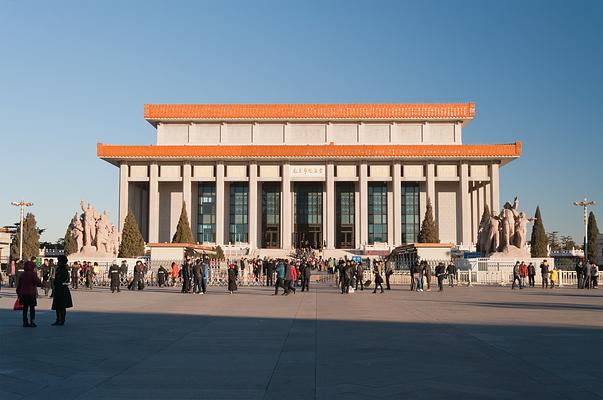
185 273
594 275
523 274
197 277
579 276
123 272
114 277
62 297
427 272
280 277
135 284
205 275
305 271
232 278
586 274
270 271
292 282
531 274
516 276
554 277
88 275
544 272
419 277
451 272
378 280
174 273
359 276
45 269
389 271
75 277
27 292
440 273
161 276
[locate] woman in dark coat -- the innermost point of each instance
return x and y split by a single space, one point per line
232 278
62 297
27 291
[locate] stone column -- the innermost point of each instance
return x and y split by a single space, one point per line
363 217
465 205
220 200
123 194
330 206
186 192
286 211
253 206
494 189
397 191
357 215
430 174
154 203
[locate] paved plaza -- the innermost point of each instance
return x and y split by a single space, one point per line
464 343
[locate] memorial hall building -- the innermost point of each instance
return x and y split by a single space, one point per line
334 176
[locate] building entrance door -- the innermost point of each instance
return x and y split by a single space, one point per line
307 209
272 238
345 215
271 215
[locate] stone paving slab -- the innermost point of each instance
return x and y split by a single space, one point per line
469 343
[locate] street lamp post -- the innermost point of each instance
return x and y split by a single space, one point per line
21 204
585 203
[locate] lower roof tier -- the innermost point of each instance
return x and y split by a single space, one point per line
503 152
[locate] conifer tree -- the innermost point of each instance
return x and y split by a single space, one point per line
69 242
183 233
429 231
592 233
539 240
132 244
219 253
31 238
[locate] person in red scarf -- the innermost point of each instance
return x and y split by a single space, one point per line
28 293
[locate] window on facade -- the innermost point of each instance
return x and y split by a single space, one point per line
377 212
206 216
411 217
239 212
271 214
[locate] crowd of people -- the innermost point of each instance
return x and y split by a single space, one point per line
27 282
588 275
287 274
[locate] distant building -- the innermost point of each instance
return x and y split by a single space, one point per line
332 176
5 241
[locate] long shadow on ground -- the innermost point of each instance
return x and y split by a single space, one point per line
153 356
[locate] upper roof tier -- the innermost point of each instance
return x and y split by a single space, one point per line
309 112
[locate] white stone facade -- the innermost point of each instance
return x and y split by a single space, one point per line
458 186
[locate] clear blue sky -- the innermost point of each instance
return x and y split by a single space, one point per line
74 73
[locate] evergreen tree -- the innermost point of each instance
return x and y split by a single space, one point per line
31 239
219 253
592 233
539 240
69 243
183 233
132 244
429 231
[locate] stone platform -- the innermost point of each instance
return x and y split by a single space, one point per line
464 343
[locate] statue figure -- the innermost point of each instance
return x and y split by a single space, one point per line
102 233
89 218
521 227
114 240
492 240
507 216
77 231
